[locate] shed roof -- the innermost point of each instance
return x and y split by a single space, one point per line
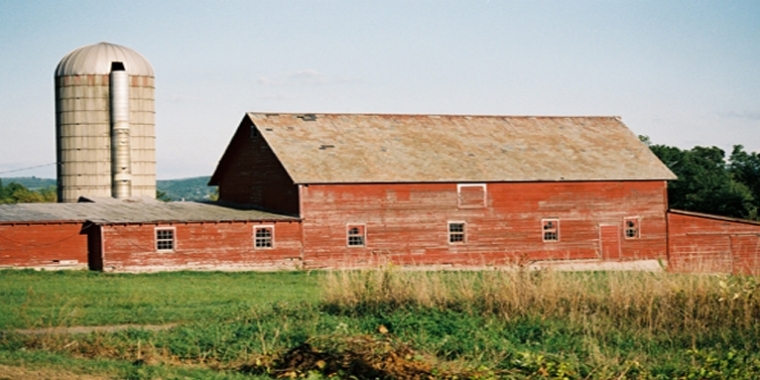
367 148
129 211
712 216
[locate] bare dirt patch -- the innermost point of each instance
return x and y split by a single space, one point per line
90 329
14 372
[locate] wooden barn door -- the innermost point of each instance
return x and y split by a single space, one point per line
94 246
609 241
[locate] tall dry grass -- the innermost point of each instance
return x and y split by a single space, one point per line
646 301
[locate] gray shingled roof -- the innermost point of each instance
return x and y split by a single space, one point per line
356 148
129 211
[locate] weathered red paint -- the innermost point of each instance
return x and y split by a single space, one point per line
407 223
250 173
43 245
209 245
708 243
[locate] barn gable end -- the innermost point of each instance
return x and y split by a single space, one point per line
249 173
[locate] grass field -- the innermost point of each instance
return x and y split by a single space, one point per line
385 323
69 298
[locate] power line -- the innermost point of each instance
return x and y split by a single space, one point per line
28 168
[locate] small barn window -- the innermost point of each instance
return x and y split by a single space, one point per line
457 233
254 132
550 229
631 228
165 239
471 195
263 237
356 235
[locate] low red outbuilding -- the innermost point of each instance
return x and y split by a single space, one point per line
43 235
714 244
147 235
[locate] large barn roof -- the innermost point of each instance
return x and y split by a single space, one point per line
111 211
375 148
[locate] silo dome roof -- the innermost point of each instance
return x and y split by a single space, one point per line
96 59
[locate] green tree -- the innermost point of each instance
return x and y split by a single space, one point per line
17 193
745 168
49 194
705 183
162 196
3 193
214 195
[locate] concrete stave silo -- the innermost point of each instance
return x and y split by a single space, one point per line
85 128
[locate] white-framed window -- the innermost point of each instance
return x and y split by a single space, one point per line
631 227
457 232
165 239
356 235
550 229
471 195
263 237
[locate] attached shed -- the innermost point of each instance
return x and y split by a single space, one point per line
43 236
190 235
713 244
438 189
146 235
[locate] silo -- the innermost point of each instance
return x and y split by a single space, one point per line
105 124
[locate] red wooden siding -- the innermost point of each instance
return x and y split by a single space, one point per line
209 245
43 245
706 243
251 174
408 223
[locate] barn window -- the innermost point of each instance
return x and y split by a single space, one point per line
457 234
164 239
254 132
356 235
631 228
263 237
550 229
471 195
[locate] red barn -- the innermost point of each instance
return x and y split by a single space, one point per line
472 190
331 190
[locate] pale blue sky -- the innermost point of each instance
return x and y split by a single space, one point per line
684 73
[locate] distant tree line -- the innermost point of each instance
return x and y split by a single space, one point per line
711 183
17 193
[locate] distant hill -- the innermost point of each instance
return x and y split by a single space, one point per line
189 189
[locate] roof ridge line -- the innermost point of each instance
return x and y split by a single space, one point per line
433 114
